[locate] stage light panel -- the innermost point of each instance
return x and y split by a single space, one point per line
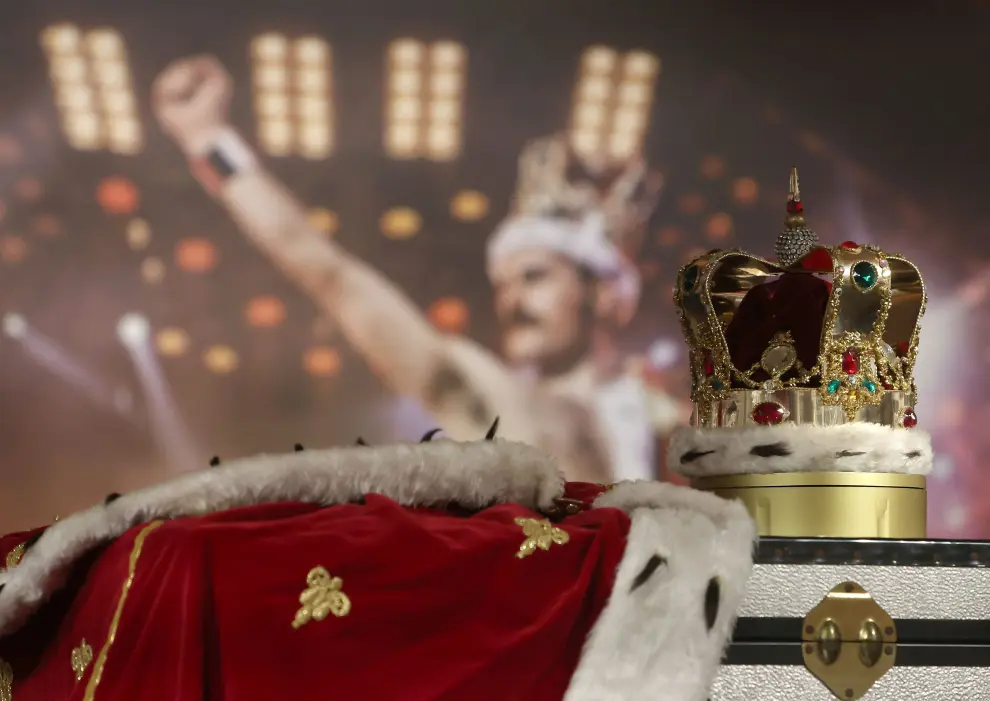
425 99
612 102
91 79
293 95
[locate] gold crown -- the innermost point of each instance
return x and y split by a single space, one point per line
554 181
825 335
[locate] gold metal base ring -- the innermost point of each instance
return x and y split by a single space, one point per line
829 504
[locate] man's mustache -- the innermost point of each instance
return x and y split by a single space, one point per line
522 318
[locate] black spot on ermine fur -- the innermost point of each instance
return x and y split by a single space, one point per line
111 498
849 453
651 566
490 436
214 461
770 450
298 447
360 441
913 454
693 455
713 596
428 436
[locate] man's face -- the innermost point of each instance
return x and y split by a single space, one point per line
543 302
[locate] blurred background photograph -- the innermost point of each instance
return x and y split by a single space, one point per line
229 228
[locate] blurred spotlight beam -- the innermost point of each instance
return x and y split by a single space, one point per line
293 95
168 427
61 363
91 80
425 99
612 103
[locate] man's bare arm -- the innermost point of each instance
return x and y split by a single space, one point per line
191 100
376 317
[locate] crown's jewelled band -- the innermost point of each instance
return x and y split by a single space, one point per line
799 406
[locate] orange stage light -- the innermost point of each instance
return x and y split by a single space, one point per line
265 312
469 205
712 167
450 314
221 359
719 226
117 196
28 188
321 361
152 270
669 236
172 342
13 249
691 203
745 191
195 255
47 225
401 223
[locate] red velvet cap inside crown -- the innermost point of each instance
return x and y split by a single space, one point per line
794 302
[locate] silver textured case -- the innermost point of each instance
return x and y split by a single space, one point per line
958 590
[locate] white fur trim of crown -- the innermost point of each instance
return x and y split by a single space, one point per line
672 610
853 447
474 475
584 241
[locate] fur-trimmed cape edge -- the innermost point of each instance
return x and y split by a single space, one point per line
854 447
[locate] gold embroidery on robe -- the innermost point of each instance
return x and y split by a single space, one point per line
323 596
540 533
81 657
101 660
6 682
14 556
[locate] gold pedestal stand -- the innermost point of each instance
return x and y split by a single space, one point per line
829 504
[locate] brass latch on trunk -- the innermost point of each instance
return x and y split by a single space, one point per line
849 641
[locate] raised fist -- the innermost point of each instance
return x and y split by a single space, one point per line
190 98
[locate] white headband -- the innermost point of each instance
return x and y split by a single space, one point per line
582 241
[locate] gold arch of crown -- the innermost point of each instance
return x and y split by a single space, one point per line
709 291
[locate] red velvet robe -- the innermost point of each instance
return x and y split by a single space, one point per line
441 607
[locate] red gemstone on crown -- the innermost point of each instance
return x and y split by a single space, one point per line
768 414
902 348
849 244
910 419
794 207
707 365
850 361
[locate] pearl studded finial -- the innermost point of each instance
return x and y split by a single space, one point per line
795 241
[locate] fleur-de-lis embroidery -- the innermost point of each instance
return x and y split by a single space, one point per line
14 556
81 657
323 596
6 682
540 533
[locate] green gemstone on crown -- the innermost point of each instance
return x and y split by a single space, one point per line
717 385
833 386
870 385
864 275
